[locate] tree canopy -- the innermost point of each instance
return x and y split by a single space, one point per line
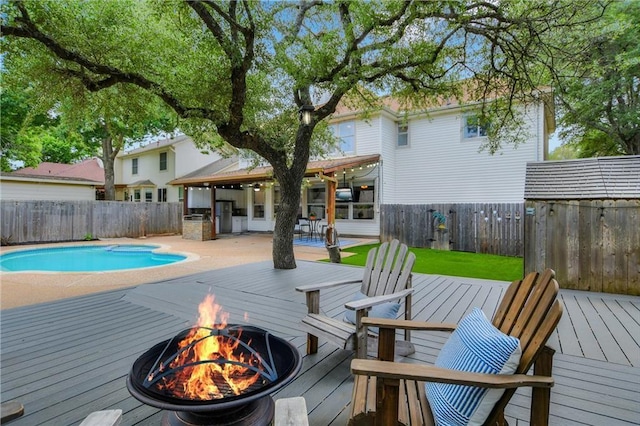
599 85
19 123
241 70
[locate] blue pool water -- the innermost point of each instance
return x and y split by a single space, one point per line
86 258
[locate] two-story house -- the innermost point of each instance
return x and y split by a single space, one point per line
142 174
394 157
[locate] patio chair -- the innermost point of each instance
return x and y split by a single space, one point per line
386 281
390 393
302 227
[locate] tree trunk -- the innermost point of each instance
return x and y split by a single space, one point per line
107 161
334 254
290 180
282 252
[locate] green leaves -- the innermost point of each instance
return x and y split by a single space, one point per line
600 90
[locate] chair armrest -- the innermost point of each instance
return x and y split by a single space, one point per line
315 287
407 325
376 300
430 373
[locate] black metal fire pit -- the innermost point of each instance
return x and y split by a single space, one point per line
275 363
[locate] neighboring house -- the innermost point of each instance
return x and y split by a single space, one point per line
142 175
391 157
55 181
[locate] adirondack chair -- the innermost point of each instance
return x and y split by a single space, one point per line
386 279
390 393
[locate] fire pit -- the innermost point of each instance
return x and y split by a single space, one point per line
214 374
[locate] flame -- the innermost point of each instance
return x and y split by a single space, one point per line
204 381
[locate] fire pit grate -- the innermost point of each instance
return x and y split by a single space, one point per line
264 366
276 362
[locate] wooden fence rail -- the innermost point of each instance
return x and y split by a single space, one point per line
50 221
495 228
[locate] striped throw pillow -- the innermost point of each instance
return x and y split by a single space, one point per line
476 346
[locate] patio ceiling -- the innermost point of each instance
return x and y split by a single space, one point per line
266 173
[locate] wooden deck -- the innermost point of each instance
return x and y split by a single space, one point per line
66 359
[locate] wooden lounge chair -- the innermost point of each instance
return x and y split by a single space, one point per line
386 279
390 393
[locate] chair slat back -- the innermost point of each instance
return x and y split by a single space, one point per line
390 269
529 311
373 264
380 271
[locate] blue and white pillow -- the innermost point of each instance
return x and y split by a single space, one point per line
387 310
475 346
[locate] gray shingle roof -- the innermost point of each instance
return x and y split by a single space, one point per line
589 178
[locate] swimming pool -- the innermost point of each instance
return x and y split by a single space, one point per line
96 258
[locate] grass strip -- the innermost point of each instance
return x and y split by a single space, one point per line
454 263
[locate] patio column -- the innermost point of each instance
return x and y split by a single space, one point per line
213 212
332 185
185 200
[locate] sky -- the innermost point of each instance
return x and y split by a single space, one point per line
554 141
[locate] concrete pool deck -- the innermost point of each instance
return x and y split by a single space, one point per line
25 288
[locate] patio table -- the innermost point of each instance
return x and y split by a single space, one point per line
314 231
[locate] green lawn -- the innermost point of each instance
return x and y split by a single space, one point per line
456 263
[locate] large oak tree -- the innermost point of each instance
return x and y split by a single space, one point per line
242 69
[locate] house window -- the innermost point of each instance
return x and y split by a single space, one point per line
363 201
360 206
473 127
316 201
346 132
134 166
181 193
403 135
163 161
162 195
136 195
342 211
148 195
258 203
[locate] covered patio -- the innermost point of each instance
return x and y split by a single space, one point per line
66 359
351 181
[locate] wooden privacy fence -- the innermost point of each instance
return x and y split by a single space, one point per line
50 221
495 228
591 244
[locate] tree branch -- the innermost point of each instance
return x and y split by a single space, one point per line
112 75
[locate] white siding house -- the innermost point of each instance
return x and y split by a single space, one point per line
56 189
430 157
438 164
54 181
143 173
392 157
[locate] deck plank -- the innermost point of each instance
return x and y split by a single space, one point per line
65 359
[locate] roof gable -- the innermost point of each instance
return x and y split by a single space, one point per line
159 144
